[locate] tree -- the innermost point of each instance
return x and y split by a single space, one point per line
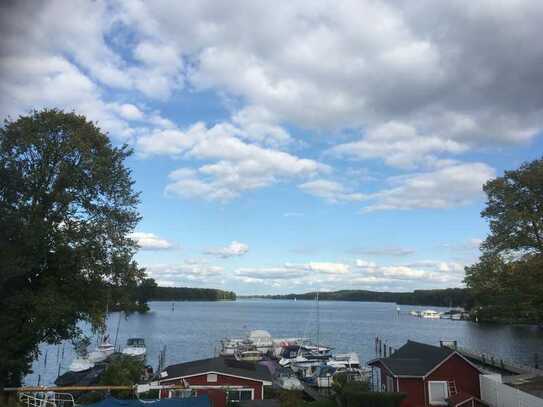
515 211
67 207
507 282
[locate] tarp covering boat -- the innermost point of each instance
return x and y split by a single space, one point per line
200 401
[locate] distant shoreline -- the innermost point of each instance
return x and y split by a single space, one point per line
448 297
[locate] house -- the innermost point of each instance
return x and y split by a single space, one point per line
224 380
429 376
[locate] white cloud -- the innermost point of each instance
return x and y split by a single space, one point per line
387 251
435 272
331 191
328 268
399 145
238 165
193 273
233 249
150 241
130 112
452 186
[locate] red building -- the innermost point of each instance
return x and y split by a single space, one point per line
429 376
222 379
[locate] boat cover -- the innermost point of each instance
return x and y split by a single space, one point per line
200 401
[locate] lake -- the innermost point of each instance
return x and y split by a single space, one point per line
192 330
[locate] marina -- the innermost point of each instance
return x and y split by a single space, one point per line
195 329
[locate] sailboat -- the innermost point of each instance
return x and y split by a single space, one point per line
104 350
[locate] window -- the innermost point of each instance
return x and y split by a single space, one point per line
438 393
212 378
235 396
181 393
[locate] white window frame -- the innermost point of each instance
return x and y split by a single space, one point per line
390 384
240 390
445 385
212 378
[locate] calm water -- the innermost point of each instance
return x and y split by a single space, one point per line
193 329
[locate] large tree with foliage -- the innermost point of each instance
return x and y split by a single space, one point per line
507 282
67 207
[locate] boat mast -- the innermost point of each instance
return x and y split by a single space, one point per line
318 322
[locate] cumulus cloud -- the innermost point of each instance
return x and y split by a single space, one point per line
360 273
150 241
187 273
452 186
387 251
233 249
435 272
331 191
315 65
238 165
399 145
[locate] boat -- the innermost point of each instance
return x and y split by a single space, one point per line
135 347
229 346
104 351
249 356
345 361
430 314
414 313
456 317
262 340
80 364
286 379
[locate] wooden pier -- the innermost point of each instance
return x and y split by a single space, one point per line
502 366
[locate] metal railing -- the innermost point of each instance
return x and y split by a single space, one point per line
47 399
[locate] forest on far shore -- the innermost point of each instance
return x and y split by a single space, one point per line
448 297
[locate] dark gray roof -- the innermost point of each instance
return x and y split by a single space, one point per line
226 366
415 359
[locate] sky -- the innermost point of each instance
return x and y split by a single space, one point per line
286 147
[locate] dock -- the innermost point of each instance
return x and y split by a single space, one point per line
494 363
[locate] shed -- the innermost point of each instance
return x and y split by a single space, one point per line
428 375
223 379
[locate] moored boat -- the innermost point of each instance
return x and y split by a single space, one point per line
135 347
430 314
249 356
104 351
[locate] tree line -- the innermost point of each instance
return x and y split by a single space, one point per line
449 297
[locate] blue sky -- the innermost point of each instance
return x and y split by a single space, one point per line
300 145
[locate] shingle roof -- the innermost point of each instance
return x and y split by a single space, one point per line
415 359
226 366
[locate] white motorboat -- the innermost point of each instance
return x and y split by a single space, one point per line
80 364
262 340
135 347
414 313
104 350
345 361
430 314
249 356
229 346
